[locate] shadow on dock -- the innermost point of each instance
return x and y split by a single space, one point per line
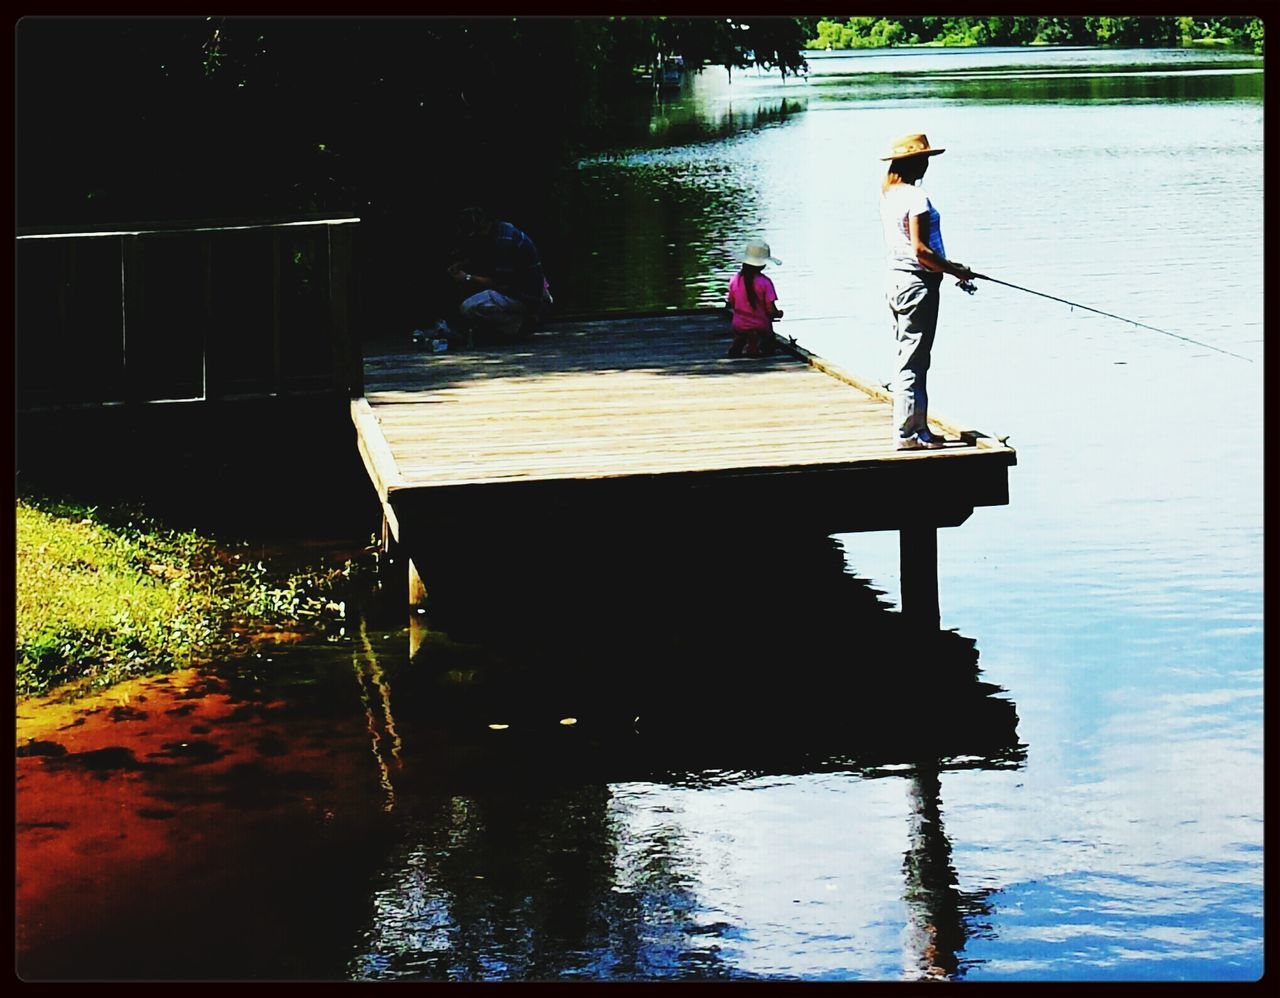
674 344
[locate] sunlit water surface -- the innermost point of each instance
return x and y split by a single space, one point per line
781 820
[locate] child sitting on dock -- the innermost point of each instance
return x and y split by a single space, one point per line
754 302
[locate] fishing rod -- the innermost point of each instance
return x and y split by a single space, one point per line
970 288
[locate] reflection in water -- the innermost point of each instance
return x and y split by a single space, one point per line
376 698
941 915
197 826
499 886
1055 88
237 826
492 886
690 121
518 859
709 648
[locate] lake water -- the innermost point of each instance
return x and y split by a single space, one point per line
760 783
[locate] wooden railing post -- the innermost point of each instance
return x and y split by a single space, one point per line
277 375
206 317
348 361
132 281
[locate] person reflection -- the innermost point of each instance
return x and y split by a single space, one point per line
937 909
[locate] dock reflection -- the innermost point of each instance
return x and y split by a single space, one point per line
707 664
752 648
495 885
727 802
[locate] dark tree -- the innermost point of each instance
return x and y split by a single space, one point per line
162 118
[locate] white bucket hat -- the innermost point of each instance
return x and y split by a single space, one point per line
757 254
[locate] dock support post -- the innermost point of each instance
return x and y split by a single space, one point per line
417 590
918 549
398 553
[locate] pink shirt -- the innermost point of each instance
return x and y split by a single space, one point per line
744 316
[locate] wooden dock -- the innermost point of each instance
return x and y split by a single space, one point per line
648 413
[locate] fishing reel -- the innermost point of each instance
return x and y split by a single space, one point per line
968 287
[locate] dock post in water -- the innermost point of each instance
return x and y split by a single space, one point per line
918 549
417 589
398 554
398 561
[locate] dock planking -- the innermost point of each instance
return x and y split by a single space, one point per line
649 409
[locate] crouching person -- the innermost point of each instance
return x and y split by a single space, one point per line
501 277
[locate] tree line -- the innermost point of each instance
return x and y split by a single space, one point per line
1133 31
146 120
135 119
179 117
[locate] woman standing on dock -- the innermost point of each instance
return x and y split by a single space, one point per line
917 264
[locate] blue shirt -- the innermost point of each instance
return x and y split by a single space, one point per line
897 205
512 260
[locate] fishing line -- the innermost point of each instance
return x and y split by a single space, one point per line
1074 304
817 318
1109 315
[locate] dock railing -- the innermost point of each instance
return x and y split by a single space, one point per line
193 313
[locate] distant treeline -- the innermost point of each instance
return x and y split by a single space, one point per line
880 32
128 119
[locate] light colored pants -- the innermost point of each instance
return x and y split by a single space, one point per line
494 312
913 300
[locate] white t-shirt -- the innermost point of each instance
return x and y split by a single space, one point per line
897 205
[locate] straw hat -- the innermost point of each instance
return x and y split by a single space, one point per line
757 254
916 144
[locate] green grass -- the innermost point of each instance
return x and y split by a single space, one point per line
105 595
